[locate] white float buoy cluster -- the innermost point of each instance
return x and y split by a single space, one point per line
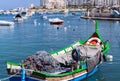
65 28
35 22
109 58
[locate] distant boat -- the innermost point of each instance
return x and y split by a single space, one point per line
30 13
44 16
18 18
73 13
6 23
56 21
24 14
99 15
64 11
73 63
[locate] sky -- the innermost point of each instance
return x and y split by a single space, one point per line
11 4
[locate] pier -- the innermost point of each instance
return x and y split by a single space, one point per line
100 18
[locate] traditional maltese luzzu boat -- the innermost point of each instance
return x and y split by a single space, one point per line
73 63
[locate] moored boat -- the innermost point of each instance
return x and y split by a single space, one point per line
102 14
64 11
75 62
56 21
18 18
6 23
26 14
43 16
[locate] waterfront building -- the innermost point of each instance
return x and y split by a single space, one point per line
52 3
81 2
42 3
31 6
70 2
76 2
103 2
107 2
63 3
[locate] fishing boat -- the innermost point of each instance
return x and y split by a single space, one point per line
73 63
56 21
6 23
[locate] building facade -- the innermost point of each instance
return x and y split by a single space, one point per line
63 3
52 3
103 2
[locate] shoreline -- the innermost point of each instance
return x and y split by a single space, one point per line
39 10
100 18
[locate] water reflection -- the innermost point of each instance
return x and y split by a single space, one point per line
3 28
98 76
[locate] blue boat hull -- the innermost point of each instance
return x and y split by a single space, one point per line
18 78
85 75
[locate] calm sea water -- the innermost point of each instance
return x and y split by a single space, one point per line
24 39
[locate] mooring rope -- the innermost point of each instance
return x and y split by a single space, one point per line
6 78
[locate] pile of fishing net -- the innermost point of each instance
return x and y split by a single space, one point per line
41 61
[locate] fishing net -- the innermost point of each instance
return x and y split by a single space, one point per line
41 61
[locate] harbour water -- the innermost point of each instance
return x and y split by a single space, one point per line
35 33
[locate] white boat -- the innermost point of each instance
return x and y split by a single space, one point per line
24 14
44 16
30 13
56 21
64 11
18 18
6 23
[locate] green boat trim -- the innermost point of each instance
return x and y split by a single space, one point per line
58 75
79 42
45 74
